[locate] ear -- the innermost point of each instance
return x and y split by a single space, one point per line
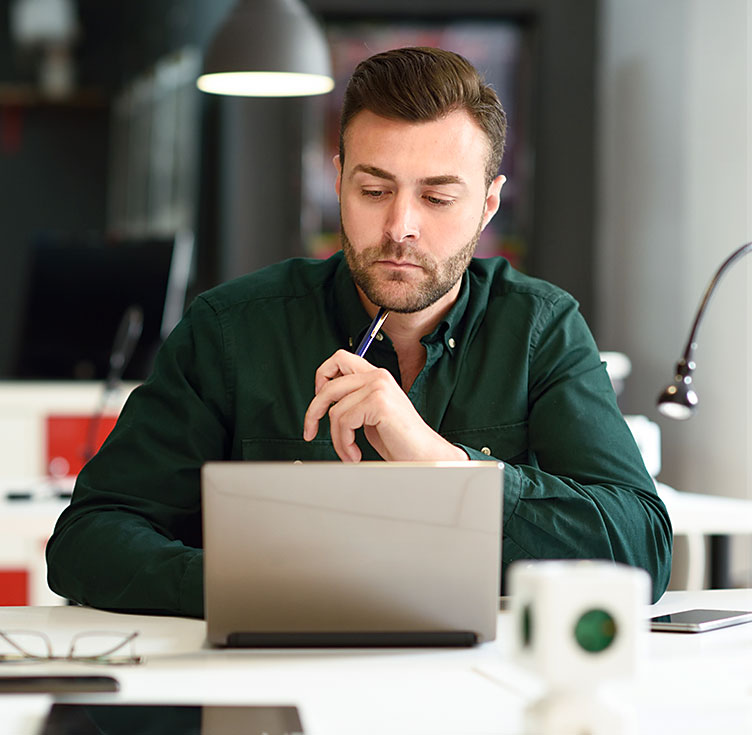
338 167
493 199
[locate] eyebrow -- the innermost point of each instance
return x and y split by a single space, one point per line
380 173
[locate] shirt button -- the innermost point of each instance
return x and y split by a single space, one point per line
379 336
486 450
350 342
451 342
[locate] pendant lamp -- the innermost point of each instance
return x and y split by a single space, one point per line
268 48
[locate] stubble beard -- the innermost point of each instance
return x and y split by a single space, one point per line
396 292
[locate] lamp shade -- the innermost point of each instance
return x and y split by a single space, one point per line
679 400
268 48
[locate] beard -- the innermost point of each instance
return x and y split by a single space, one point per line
399 292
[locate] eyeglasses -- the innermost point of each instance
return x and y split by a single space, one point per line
91 647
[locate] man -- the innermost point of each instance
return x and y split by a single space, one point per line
476 361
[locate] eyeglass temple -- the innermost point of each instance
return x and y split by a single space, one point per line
109 651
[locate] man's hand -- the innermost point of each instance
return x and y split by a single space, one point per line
362 395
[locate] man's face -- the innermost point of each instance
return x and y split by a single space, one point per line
413 202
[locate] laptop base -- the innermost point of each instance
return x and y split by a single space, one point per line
354 639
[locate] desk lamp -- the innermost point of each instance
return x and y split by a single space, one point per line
267 48
679 400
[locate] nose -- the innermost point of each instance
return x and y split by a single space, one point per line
402 223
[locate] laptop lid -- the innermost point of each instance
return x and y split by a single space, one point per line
373 553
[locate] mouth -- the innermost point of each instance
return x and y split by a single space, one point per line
398 264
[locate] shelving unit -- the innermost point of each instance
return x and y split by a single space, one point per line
30 498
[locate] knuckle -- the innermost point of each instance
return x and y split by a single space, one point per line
336 414
383 385
383 377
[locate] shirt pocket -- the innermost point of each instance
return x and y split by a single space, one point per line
288 450
508 443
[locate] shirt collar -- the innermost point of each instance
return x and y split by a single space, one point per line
448 329
350 314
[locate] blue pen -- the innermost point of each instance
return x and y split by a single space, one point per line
373 330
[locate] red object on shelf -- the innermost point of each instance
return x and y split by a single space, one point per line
14 587
11 129
67 439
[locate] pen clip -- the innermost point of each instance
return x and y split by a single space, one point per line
372 331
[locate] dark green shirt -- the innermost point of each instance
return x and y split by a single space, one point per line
512 373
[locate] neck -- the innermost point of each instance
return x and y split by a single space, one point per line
406 330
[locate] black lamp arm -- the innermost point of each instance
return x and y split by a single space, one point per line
686 362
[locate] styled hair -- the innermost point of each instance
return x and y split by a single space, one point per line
420 84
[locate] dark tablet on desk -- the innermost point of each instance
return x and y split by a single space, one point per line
154 719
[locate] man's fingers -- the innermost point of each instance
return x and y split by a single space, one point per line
330 392
345 416
339 364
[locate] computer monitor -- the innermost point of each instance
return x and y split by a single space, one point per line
76 295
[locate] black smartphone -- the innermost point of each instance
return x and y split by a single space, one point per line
697 621
56 684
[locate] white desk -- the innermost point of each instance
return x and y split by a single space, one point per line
692 684
697 516
693 515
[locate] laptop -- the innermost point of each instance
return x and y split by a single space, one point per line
366 554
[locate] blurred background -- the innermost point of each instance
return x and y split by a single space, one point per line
629 171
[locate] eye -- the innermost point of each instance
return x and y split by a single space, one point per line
373 193
438 201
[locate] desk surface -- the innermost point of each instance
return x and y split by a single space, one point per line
706 514
695 683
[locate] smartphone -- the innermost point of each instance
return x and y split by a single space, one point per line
56 684
697 621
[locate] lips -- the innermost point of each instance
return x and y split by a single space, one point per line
398 264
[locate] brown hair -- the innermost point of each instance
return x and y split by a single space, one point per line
421 84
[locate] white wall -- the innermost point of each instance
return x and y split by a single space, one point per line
675 188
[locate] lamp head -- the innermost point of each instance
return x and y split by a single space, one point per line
268 48
679 400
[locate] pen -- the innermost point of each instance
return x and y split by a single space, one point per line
373 330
